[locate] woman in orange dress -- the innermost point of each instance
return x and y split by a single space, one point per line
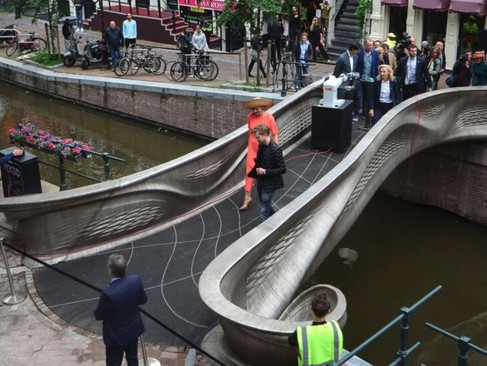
259 116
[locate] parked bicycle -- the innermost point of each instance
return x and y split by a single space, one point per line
199 64
137 58
32 43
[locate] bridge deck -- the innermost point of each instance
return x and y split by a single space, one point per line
170 261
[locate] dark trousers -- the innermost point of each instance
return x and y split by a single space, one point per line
251 66
275 53
129 41
114 355
380 110
409 91
322 50
365 93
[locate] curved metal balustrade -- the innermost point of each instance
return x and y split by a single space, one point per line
55 224
251 282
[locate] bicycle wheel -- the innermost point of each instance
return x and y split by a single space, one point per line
178 71
162 66
11 48
151 64
204 71
40 44
123 66
213 67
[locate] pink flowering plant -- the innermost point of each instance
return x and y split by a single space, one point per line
26 134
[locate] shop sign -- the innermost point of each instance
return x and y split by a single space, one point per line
203 4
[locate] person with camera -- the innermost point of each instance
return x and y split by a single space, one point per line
413 74
461 73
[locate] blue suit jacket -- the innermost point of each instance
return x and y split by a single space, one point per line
118 307
375 63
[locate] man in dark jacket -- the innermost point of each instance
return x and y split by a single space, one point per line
114 40
270 166
413 74
118 307
347 62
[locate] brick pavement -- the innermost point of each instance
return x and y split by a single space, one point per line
31 334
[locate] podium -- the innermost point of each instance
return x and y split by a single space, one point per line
20 175
332 127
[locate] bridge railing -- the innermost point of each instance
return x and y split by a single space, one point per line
81 217
251 283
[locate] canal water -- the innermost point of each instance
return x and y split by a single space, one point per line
395 254
141 145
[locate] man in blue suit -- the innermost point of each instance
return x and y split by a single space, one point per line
118 307
368 68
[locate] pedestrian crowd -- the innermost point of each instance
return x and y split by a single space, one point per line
392 70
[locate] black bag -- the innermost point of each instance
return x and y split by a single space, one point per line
450 80
253 173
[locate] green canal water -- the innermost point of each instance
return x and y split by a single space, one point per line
404 252
141 145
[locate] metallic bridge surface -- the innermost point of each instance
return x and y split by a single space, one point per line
121 209
250 284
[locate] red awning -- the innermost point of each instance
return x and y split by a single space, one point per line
438 5
474 7
400 3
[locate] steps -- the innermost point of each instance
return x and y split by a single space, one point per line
346 28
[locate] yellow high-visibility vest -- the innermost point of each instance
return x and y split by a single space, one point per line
319 344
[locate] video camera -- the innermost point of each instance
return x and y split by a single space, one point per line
404 42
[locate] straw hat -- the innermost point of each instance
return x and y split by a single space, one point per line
478 54
258 102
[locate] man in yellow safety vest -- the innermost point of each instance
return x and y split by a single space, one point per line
322 341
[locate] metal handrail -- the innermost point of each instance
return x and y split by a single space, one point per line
403 352
338 9
463 343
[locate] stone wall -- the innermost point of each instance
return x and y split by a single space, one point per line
450 177
197 110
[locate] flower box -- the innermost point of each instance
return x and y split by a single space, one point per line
26 135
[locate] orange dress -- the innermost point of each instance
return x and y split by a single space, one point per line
252 122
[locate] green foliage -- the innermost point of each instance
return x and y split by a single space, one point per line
46 59
471 26
237 14
362 8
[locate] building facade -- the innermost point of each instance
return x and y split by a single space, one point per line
430 20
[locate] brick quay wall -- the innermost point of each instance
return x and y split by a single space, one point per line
195 110
451 177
